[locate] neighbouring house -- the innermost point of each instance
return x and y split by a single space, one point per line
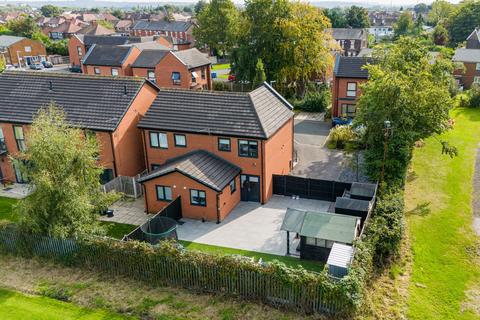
348 75
123 26
109 60
95 29
66 30
107 107
175 29
188 69
78 45
469 72
352 41
468 58
381 24
214 149
94 17
21 51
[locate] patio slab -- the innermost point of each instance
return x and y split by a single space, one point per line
15 191
128 211
250 226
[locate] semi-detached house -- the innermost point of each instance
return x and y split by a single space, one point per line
108 107
214 149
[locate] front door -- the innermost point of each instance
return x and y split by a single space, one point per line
250 190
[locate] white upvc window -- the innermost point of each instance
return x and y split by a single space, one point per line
351 89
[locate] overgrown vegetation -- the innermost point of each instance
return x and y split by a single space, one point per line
471 98
315 100
61 161
340 136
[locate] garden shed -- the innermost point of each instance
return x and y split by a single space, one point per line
318 231
339 260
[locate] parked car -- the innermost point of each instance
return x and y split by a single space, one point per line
47 64
75 69
337 121
231 77
9 67
36 66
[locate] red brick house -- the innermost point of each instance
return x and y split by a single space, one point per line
188 69
176 29
469 58
215 149
21 51
352 41
107 60
348 75
108 107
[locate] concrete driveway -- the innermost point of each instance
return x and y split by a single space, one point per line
250 226
315 160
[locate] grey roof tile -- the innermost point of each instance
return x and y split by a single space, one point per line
172 26
351 67
192 58
258 114
104 55
92 102
7 41
200 165
149 58
348 33
467 55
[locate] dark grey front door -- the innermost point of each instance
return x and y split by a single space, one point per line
250 190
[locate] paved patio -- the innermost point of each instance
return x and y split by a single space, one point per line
128 211
15 191
251 226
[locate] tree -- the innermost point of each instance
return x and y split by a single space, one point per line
218 26
357 17
23 26
118 13
3 63
462 21
199 6
95 10
260 76
440 11
410 92
61 162
337 17
440 35
280 33
404 25
420 8
50 10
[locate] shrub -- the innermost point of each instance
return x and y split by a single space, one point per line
473 96
340 136
316 101
57 292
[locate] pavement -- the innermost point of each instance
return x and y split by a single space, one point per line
128 211
315 160
15 191
250 226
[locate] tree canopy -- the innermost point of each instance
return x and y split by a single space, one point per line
462 21
61 162
337 17
410 92
404 25
420 8
280 33
50 10
440 12
23 26
199 6
357 17
218 26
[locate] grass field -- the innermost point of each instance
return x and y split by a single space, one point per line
289 261
221 66
16 306
445 279
6 209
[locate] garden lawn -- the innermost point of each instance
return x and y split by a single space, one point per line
6 209
221 66
439 215
16 306
289 261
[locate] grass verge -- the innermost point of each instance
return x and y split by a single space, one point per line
439 214
15 306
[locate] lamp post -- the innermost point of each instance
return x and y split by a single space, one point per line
387 131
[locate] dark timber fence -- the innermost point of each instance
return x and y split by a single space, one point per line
326 190
159 266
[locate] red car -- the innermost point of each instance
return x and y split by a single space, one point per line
231 77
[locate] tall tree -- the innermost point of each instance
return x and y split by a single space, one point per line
440 12
440 35
410 92
357 17
260 76
462 21
337 17
23 26
420 8
118 13
50 10
61 162
404 25
218 26
199 6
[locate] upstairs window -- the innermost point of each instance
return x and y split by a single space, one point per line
96 70
151 75
176 78
28 49
478 67
158 140
19 138
224 144
180 140
351 89
3 146
248 148
114 72
79 51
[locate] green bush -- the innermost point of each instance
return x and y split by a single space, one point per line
473 97
57 292
340 136
316 101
